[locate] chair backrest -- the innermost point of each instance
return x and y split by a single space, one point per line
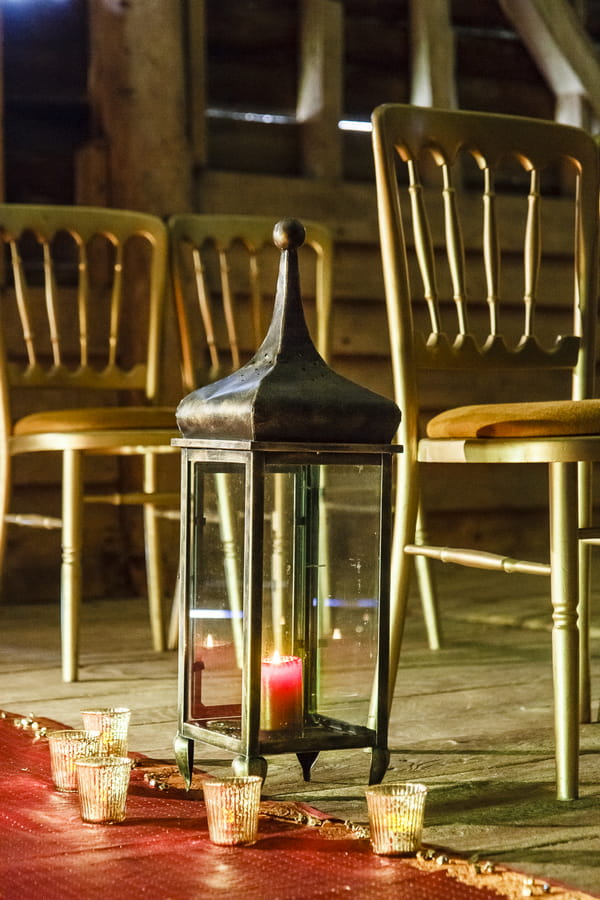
82 299
224 276
499 273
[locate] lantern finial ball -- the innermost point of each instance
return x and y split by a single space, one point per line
289 234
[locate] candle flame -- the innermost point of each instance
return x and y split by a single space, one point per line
275 657
209 643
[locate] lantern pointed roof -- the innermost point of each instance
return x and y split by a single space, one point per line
287 392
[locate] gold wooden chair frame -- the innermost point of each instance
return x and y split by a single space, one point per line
224 271
432 304
85 287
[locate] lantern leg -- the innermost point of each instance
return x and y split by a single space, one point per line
380 760
184 757
249 765
307 759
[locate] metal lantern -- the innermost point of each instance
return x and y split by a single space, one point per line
286 519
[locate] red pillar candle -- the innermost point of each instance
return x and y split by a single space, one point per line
281 694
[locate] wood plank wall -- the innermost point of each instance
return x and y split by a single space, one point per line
231 107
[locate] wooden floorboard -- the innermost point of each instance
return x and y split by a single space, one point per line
473 720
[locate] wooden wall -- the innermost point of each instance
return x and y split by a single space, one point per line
234 107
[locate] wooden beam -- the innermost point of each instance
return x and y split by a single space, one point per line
432 46
319 105
92 174
195 57
137 95
563 52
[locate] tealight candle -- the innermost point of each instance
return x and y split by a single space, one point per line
281 693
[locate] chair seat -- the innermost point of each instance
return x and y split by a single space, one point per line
505 420
96 419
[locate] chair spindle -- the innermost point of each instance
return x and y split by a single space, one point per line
491 249
21 300
532 250
255 296
82 294
205 312
50 295
115 305
228 309
423 246
455 248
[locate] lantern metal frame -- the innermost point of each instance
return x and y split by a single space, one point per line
283 411
319 732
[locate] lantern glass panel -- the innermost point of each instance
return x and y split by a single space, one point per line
321 588
349 595
216 591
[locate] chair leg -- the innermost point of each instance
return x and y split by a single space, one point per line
324 583
70 576
5 465
278 559
153 557
585 687
230 559
427 590
173 628
585 562
565 635
401 569
231 566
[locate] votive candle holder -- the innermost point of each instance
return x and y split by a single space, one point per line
103 783
113 725
232 807
66 746
396 813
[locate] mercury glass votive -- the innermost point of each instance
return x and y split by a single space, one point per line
113 725
396 812
103 782
65 747
232 806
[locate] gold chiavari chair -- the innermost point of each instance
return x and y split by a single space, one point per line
455 314
80 336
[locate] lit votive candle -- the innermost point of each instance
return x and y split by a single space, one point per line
232 807
103 782
396 812
281 694
113 724
66 746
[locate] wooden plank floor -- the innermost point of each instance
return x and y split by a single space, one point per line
473 720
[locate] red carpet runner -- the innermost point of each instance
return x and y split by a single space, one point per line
162 850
